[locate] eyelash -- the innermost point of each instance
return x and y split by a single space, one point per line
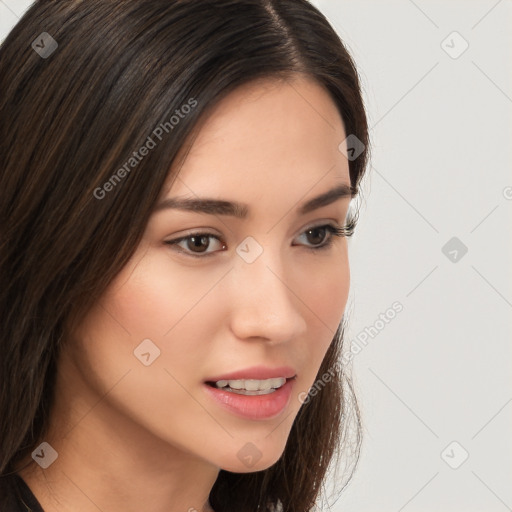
333 229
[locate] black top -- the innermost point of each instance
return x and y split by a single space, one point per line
16 496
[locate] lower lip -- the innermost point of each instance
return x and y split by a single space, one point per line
254 407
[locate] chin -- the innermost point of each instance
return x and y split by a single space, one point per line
250 459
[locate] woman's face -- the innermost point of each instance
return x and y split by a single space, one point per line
253 291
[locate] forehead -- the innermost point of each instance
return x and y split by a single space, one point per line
267 133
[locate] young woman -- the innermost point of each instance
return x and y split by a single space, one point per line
175 185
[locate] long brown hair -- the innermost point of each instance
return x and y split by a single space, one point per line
82 85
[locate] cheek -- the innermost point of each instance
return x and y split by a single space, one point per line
325 293
324 289
156 297
175 310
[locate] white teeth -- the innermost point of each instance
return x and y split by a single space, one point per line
252 384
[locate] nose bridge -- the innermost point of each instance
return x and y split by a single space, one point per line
264 305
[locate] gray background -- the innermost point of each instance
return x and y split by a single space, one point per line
440 371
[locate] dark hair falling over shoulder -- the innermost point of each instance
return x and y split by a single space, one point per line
67 120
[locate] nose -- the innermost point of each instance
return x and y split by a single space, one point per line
264 304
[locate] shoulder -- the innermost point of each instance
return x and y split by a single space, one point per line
16 496
9 493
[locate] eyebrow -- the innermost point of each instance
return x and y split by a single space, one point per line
241 211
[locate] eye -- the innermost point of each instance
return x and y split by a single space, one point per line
196 244
321 237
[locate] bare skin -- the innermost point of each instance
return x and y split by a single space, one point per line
132 437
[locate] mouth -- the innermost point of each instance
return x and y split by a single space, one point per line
252 399
250 387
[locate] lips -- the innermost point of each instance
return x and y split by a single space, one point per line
256 373
252 407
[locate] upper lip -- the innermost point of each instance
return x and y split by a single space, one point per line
256 372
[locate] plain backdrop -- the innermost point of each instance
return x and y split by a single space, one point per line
434 236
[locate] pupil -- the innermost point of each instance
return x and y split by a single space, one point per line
198 242
316 230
